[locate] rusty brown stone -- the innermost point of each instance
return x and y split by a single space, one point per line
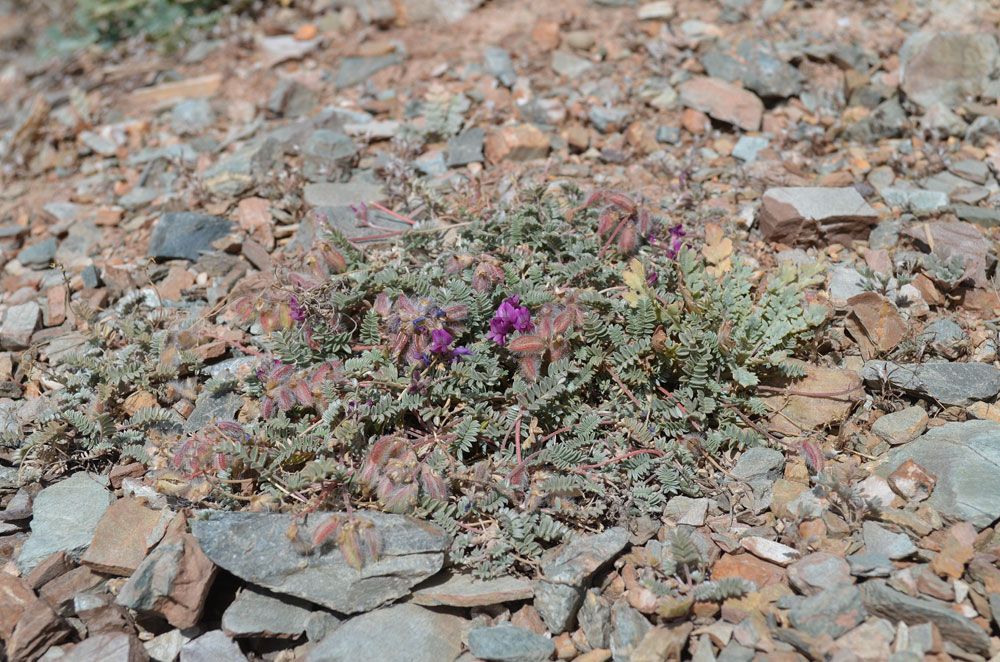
723 101
516 143
123 538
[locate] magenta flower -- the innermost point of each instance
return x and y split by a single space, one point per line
297 313
674 248
510 317
440 339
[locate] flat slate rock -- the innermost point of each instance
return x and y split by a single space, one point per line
509 643
401 632
184 235
882 600
832 611
259 613
566 571
948 383
65 517
965 458
467 591
806 214
254 547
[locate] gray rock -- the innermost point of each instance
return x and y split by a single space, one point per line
915 199
497 63
191 116
757 68
567 569
354 70
466 148
887 120
345 221
833 611
461 590
98 143
39 256
342 195
870 564
19 324
167 647
941 118
509 643
254 547
605 119
326 155
595 619
668 134
432 163
103 646
402 632
212 646
733 652
901 426
685 510
569 65
945 67
943 332
65 518
746 148
984 126
884 601
245 168
759 462
965 458
948 383
987 217
290 98
884 235
628 627
259 613
319 624
972 170
184 235
880 540
818 571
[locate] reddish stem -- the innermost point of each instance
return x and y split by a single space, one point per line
392 213
384 235
612 237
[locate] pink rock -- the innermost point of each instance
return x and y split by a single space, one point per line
723 101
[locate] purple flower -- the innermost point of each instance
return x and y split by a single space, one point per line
298 314
674 249
510 317
440 339
459 352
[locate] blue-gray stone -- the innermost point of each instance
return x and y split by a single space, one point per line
746 148
497 63
509 643
628 627
833 611
569 65
466 147
65 516
668 134
326 154
191 116
605 119
914 199
354 70
870 564
759 462
184 235
943 332
965 458
38 256
948 383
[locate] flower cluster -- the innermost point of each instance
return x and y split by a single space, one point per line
674 243
510 317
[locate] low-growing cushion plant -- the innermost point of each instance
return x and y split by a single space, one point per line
556 367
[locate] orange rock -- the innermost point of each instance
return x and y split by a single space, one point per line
750 568
55 311
695 121
306 32
723 101
545 34
517 143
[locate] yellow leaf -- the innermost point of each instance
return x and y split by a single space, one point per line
635 275
717 249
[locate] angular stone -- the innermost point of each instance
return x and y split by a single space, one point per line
809 214
870 564
919 201
757 69
466 148
326 154
254 547
746 148
796 414
723 101
15 597
964 458
167 647
945 67
401 632
662 643
38 628
956 238
523 142
259 613
833 611
65 517
769 550
880 540
354 70
19 324
39 256
884 601
173 581
509 643
184 235
460 590
191 116
234 174
947 383
594 617
62 591
329 194
108 647
212 646
628 628
818 571
687 511
497 62
125 534
569 65
566 571
901 426
759 462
